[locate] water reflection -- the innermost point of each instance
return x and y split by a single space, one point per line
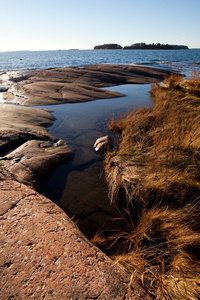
79 187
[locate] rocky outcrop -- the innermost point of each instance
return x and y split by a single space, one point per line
45 256
28 152
72 85
35 160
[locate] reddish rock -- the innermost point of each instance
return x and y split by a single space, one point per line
43 255
73 85
34 160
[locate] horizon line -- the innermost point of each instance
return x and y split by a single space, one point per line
76 49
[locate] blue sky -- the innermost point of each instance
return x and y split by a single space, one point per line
82 24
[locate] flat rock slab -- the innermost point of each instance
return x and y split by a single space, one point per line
43 255
26 119
73 85
39 93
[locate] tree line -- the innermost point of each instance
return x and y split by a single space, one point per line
140 46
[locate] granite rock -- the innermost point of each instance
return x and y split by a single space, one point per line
73 85
35 160
43 255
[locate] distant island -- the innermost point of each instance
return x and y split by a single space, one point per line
108 47
155 46
140 46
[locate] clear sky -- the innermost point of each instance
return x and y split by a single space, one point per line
82 24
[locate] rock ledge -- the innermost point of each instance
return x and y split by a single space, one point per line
45 256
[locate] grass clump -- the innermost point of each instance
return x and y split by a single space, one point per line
164 144
156 169
163 252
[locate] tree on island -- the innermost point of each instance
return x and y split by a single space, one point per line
140 46
155 46
108 46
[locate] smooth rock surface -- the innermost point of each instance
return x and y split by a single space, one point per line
43 255
27 149
73 85
34 160
26 119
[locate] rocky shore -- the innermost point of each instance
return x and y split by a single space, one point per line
73 85
43 253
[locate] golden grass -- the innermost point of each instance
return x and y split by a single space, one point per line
160 147
164 253
156 167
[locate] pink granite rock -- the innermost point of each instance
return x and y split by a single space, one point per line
43 255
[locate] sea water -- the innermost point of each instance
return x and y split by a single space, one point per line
178 60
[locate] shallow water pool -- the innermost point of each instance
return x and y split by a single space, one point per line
79 187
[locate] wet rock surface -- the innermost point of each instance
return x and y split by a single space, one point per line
11 139
73 85
35 160
28 152
45 256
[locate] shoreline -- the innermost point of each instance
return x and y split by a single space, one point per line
55 86
23 165
73 85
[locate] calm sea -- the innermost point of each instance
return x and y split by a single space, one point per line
179 60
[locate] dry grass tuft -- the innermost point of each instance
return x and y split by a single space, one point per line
156 167
159 148
164 253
